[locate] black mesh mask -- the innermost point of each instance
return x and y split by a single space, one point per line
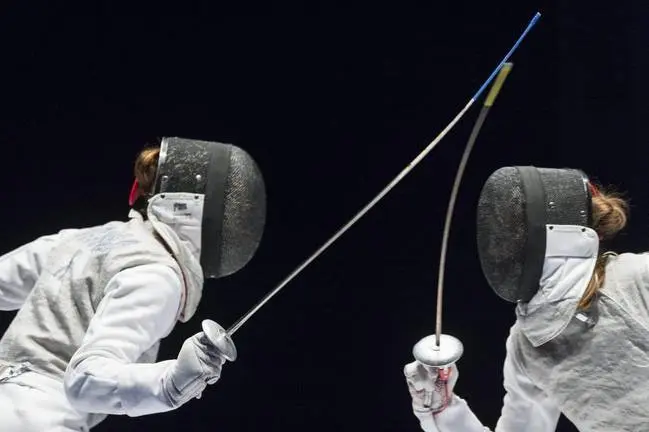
233 190
515 205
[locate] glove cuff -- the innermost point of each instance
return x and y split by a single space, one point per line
182 391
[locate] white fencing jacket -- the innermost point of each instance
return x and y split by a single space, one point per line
592 366
94 304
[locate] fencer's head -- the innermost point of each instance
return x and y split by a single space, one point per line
212 195
527 215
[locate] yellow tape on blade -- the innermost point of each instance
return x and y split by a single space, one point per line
498 83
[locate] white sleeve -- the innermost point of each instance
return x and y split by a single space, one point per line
20 269
526 407
140 307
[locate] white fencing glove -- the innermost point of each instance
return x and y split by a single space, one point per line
198 364
431 388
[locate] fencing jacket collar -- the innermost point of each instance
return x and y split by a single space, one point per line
187 260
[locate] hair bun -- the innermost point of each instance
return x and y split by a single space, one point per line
610 214
145 169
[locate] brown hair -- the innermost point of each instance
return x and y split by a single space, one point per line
610 215
145 169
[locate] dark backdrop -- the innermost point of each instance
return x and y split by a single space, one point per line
332 101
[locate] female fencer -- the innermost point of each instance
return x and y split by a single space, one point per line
94 303
580 343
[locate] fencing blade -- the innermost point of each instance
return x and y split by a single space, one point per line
241 321
442 350
488 103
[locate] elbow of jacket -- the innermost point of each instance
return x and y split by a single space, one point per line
73 384
91 385
79 385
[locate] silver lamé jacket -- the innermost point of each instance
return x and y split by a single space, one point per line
93 305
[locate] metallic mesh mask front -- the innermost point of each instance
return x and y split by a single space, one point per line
515 205
232 186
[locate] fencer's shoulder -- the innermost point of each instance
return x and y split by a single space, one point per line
138 237
627 285
628 256
630 263
518 347
125 244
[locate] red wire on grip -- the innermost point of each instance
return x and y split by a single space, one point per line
442 384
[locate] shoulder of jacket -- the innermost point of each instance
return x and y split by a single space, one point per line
132 245
629 263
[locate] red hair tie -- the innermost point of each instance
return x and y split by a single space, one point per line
133 196
593 190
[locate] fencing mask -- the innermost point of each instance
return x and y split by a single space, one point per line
516 207
212 195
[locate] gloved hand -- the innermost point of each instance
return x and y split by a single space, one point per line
431 388
198 364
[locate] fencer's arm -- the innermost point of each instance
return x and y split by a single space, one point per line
526 407
20 269
139 308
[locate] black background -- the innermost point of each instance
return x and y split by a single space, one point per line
332 100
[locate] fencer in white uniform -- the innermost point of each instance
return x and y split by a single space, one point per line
94 303
580 343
